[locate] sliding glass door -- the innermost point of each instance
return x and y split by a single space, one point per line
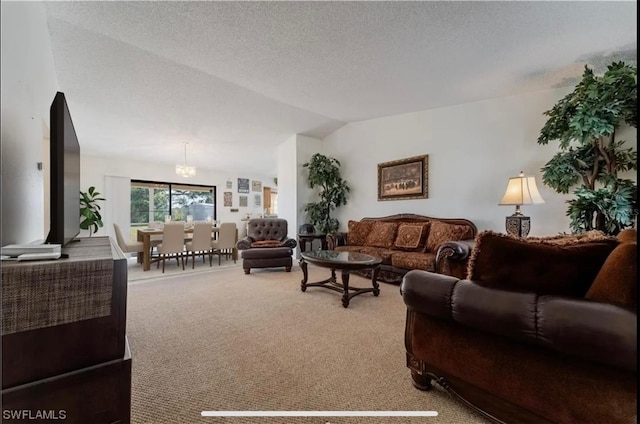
152 201
192 200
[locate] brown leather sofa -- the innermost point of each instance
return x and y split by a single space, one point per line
394 239
522 346
266 245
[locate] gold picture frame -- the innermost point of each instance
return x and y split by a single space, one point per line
404 179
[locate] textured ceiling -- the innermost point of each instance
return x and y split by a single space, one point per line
235 79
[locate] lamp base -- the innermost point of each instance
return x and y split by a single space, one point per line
518 225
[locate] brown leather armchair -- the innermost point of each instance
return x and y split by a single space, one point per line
521 355
266 245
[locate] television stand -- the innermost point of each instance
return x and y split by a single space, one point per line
64 346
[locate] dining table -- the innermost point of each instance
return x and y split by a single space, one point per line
145 234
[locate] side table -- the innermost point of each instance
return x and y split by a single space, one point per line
303 239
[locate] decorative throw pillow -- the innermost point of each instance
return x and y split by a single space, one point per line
358 232
382 234
617 281
266 243
537 265
411 236
441 232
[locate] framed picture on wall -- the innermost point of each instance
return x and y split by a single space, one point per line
256 186
404 179
228 198
243 185
258 200
244 201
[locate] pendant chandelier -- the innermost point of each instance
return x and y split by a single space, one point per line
183 169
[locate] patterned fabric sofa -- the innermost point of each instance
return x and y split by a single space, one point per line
405 242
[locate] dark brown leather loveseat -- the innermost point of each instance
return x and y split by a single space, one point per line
522 346
266 245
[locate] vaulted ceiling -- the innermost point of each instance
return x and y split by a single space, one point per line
235 79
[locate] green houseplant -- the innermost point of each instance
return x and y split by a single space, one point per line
590 156
90 210
324 172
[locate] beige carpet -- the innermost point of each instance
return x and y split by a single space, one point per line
135 272
222 340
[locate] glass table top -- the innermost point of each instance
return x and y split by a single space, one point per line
340 257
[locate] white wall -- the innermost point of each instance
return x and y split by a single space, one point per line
306 147
94 170
473 149
293 190
287 183
29 84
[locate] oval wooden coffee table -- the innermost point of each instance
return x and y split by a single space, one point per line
345 262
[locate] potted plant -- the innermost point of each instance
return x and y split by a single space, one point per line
324 172
90 210
590 156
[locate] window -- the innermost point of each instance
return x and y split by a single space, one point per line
191 200
149 202
152 201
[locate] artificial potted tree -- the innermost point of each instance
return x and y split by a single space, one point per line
90 210
324 172
590 157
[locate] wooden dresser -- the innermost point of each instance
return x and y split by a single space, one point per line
65 355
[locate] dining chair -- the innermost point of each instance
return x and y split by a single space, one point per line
126 245
200 243
154 241
226 241
187 236
172 244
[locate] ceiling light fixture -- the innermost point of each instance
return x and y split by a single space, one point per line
185 170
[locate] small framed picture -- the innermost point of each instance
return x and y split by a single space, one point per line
243 185
228 198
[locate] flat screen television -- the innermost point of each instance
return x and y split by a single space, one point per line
64 169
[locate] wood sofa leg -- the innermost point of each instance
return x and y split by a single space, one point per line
288 269
421 382
247 270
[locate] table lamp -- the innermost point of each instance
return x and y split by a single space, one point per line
521 190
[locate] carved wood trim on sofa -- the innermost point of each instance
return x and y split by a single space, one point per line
475 398
422 218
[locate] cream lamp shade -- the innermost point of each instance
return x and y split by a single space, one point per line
521 190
